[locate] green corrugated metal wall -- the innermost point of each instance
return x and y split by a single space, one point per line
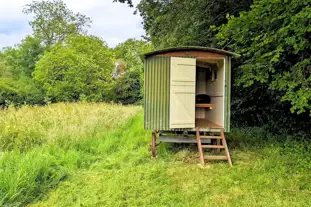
157 93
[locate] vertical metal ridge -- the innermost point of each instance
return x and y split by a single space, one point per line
154 87
146 107
160 94
163 92
150 94
145 114
157 71
164 76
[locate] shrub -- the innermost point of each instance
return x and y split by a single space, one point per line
127 89
20 91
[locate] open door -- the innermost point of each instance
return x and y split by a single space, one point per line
182 92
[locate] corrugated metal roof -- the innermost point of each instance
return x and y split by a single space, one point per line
187 48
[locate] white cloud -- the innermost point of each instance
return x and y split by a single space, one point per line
114 22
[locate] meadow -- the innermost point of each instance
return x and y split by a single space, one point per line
87 154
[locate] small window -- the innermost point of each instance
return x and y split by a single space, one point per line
214 75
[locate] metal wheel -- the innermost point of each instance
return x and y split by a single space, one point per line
153 144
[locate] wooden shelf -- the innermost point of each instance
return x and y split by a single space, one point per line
210 106
204 123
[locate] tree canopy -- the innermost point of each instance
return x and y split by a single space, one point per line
79 68
60 62
182 22
130 51
128 88
23 57
274 41
53 21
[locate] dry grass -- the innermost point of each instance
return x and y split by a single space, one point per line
41 146
29 126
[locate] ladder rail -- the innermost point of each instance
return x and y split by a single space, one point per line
224 142
220 144
200 147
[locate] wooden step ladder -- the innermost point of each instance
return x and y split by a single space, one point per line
221 144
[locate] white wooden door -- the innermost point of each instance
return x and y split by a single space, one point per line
182 92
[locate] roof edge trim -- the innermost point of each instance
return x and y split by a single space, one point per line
196 48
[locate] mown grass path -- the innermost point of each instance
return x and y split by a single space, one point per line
124 175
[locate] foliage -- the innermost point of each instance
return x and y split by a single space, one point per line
127 89
5 68
20 91
41 146
128 86
108 164
16 65
182 22
274 41
70 66
130 51
53 21
79 68
129 2
23 57
258 105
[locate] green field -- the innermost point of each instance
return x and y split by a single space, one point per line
98 155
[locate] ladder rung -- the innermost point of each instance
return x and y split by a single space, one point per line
216 157
213 146
210 137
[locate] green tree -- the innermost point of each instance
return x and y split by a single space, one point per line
128 86
20 91
274 41
5 68
182 22
23 57
79 68
127 89
130 51
53 21
16 65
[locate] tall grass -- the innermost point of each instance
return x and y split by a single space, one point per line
106 162
41 146
29 126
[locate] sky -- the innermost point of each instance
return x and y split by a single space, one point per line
114 22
